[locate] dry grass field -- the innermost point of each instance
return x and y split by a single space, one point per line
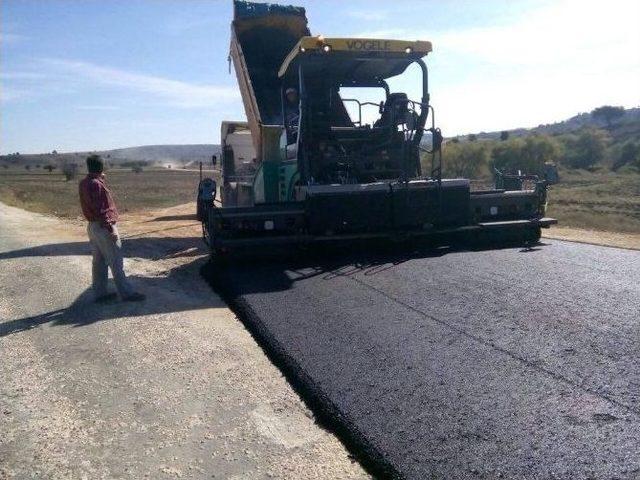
605 201
595 201
44 192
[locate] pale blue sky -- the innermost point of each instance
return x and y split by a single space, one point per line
84 75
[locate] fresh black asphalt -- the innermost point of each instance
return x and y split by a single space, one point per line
506 363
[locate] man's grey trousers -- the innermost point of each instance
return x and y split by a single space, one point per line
107 253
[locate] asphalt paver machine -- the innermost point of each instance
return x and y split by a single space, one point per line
327 168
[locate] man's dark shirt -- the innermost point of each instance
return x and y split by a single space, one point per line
96 201
292 117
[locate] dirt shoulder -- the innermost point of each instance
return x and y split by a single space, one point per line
173 387
608 239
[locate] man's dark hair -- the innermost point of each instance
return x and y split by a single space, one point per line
95 164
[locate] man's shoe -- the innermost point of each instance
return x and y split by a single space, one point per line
134 297
106 298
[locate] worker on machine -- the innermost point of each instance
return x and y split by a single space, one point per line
291 114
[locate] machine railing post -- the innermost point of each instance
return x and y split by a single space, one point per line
304 174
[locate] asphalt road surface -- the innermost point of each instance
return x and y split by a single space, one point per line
510 363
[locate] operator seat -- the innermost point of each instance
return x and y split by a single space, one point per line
394 111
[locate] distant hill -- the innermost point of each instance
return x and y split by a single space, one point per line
160 155
627 127
164 153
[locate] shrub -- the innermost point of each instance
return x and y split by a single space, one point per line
629 155
70 171
527 155
134 163
587 149
466 160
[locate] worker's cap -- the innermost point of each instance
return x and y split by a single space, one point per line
290 90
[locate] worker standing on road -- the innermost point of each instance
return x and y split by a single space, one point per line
100 211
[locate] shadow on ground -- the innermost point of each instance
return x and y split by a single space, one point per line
152 248
172 291
255 275
161 298
171 218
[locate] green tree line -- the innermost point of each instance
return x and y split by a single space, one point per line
586 149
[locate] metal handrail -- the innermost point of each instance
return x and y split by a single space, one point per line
360 105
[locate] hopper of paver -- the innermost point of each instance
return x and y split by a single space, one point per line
261 37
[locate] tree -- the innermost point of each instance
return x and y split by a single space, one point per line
465 160
504 135
538 150
587 149
27 167
527 155
608 114
472 137
50 168
55 152
629 155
